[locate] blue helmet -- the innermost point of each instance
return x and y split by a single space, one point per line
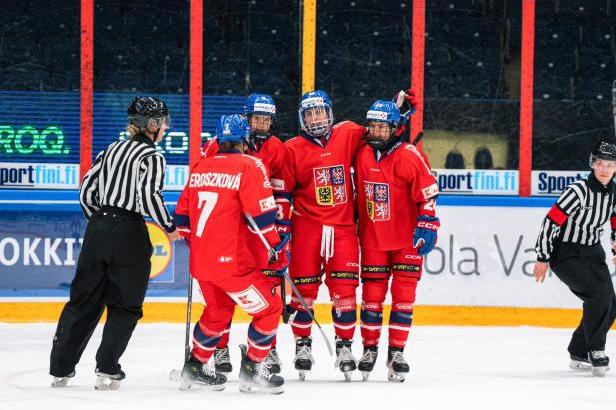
261 104
232 128
318 102
384 111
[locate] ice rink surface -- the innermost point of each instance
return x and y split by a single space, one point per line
451 368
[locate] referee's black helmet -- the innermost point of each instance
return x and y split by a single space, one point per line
603 150
142 109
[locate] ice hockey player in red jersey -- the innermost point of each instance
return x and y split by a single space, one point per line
260 110
221 189
397 226
324 237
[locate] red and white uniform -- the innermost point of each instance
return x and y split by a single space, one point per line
273 154
324 238
392 191
210 210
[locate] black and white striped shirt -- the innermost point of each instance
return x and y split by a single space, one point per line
129 175
578 216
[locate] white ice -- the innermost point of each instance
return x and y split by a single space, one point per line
451 368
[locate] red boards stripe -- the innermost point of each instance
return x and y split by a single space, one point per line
87 85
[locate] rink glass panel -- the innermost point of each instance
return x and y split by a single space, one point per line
363 53
574 72
471 98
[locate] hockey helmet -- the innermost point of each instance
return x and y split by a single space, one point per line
143 109
232 128
318 105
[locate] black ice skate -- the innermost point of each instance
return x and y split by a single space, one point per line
344 358
105 381
222 361
62 381
256 376
398 367
273 361
200 374
303 360
367 361
599 361
579 363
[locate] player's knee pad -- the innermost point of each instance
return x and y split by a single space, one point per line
374 290
344 303
403 290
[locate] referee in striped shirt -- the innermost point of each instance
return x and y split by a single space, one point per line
569 241
113 269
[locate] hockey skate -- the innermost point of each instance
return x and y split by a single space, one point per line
202 375
367 361
257 377
222 361
62 381
105 381
599 361
579 363
344 358
398 367
273 361
303 360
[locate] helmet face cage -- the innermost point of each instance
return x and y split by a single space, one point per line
385 113
316 120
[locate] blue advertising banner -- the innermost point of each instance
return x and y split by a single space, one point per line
39 252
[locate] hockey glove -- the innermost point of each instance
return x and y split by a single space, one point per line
406 102
282 252
424 238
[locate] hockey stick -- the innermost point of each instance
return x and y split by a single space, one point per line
418 138
283 296
188 312
174 375
270 250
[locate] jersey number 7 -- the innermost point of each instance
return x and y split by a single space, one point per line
207 202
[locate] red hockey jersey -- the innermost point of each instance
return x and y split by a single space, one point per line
273 155
210 214
320 176
392 192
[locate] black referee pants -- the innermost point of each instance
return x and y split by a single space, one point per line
584 270
112 271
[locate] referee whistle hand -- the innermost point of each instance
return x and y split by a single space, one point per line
175 235
540 270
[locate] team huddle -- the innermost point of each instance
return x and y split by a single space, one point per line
254 207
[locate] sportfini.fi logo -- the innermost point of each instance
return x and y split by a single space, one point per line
161 255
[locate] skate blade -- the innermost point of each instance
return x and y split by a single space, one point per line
59 382
186 384
365 376
175 375
579 365
348 375
251 388
105 384
302 375
599 371
395 377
